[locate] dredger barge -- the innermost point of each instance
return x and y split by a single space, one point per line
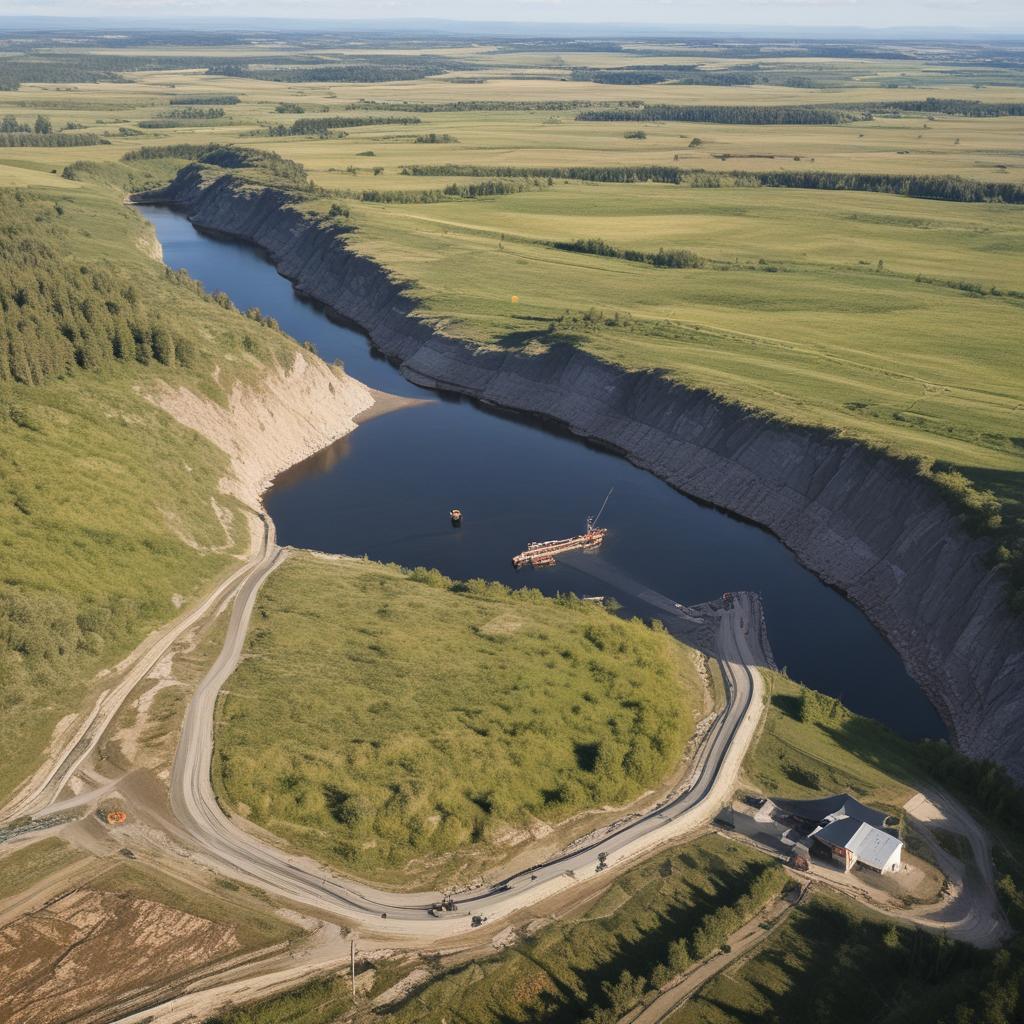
545 552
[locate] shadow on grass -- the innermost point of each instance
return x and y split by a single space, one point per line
666 901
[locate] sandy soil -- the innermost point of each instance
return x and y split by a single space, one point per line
264 430
73 954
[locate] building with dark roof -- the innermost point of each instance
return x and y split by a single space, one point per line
814 812
850 832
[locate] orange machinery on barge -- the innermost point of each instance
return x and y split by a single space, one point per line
544 552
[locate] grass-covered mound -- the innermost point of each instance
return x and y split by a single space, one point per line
383 716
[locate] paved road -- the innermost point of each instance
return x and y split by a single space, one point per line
238 852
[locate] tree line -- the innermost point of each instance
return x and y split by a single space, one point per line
58 315
711 114
920 186
36 139
458 106
657 73
205 101
322 125
40 133
935 105
711 935
378 71
677 258
194 113
493 187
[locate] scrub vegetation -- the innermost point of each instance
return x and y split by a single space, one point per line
439 717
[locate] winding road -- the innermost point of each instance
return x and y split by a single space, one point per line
40 794
235 851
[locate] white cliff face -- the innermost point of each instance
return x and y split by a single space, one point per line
264 430
863 521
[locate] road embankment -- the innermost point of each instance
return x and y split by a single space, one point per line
863 521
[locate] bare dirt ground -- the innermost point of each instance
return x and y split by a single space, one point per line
69 956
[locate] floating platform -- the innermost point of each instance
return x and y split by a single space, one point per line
546 552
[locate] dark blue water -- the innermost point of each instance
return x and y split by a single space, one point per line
386 489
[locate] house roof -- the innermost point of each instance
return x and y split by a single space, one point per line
868 844
840 806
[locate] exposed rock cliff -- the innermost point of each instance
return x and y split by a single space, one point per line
860 520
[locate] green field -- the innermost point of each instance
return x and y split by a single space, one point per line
837 753
31 864
437 719
891 319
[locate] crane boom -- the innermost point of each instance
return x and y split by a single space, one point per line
603 503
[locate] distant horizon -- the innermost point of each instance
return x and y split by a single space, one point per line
130 19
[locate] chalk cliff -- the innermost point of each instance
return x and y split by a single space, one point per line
862 521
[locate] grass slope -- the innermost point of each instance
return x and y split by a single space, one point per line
436 717
108 521
832 960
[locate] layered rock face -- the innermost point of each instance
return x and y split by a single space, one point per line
862 521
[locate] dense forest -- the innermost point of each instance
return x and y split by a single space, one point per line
80 67
322 125
920 186
58 315
721 115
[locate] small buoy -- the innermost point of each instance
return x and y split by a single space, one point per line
456 515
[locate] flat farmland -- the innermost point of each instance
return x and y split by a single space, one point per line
892 319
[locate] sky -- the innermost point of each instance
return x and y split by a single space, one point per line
926 15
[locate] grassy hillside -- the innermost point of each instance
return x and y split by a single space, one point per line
887 318
834 960
111 515
437 717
